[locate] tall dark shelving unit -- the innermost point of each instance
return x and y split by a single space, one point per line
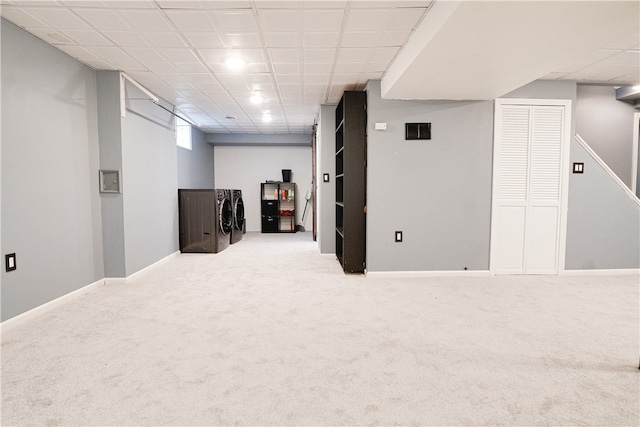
351 188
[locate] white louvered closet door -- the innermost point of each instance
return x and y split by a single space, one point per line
527 200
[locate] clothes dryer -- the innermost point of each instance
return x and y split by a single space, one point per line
238 216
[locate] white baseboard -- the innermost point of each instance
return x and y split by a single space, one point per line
602 272
41 309
141 273
331 256
48 306
412 274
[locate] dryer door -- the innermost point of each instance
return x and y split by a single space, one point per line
225 216
238 218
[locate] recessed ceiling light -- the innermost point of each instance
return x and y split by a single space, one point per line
256 99
266 117
234 63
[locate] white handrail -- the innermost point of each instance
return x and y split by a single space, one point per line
607 169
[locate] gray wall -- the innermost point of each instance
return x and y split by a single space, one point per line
606 124
245 167
149 182
195 166
50 202
326 163
603 226
438 192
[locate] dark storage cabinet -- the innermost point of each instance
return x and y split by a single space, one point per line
351 189
198 220
278 207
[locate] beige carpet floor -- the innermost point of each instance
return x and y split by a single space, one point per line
268 332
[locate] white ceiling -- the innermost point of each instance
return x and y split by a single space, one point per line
299 54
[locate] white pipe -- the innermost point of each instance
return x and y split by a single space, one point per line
142 88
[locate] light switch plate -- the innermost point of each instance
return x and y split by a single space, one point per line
325 177
398 236
10 262
578 168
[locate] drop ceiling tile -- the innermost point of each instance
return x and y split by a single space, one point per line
614 70
629 42
146 20
213 56
190 20
351 67
264 79
131 4
20 17
249 55
385 53
316 79
179 55
257 68
348 78
355 54
144 54
282 39
369 20
242 40
324 4
109 53
286 68
236 21
190 67
314 56
394 38
181 4
286 4
230 78
98 64
628 57
105 20
323 20
161 67
280 20
52 36
553 76
405 19
163 39
317 68
61 19
315 39
627 79
128 66
78 52
126 38
361 39
204 40
284 56
288 79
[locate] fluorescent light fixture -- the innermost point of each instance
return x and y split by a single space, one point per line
234 63
256 99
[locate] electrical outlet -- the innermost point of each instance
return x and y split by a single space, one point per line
578 168
398 236
10 262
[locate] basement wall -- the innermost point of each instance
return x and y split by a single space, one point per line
50 160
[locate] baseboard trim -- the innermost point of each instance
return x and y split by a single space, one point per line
412 274
147 269
331 256
48 306
602 272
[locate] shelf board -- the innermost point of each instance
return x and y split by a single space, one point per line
340 150
341 204
340 231
340 175
339 125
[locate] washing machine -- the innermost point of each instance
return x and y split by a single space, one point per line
238 227
225 219
205 220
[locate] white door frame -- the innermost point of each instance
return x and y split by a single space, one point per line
634 152
564 175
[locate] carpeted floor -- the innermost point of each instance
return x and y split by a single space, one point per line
269 332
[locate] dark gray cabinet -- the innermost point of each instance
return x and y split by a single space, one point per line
351 185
